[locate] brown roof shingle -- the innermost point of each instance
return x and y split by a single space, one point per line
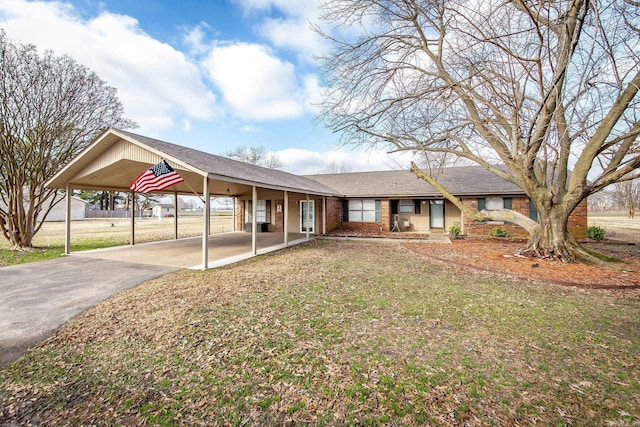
461 181
230 168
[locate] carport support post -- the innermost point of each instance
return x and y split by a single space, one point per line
234 213
286 218
132 207
206 217
67 225
175 217
254 220
307 219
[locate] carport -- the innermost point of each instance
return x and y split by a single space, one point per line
117 157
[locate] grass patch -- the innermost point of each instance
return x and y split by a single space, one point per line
8 257
337 333
603 257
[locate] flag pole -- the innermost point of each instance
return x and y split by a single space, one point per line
194 191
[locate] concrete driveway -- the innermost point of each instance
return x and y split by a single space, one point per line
37 298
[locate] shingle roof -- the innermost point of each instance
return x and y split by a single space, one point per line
461 181
229 168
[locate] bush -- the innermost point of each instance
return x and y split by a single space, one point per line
596 233
498 232
455 230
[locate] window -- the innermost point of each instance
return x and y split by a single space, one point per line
368 210
494 203
263 211
533 212
406 206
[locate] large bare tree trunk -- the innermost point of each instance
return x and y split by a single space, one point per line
550 238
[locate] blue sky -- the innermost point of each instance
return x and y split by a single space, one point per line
208 74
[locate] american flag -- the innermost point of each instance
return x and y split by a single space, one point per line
156 178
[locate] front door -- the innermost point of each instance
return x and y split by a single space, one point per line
436 213
303 216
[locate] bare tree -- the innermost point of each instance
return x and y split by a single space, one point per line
548 90
146 201
627 196
51 107
335 167
255 156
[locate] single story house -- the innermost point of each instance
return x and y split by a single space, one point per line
269 200
376 201
58 211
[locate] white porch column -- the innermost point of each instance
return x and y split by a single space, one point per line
206 220
286 218
67 225
175 204
324 215
234 213
254 220
307 215
132 208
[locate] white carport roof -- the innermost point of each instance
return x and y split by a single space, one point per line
117 157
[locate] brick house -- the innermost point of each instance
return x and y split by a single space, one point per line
374 201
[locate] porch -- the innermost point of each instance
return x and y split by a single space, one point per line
223 249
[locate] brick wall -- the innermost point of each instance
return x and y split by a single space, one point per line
385 217
240 205
476 228
334 214
577 224
278 217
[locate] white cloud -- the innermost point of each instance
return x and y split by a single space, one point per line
290 7
254 83
194 38
154 80
292 28
308 162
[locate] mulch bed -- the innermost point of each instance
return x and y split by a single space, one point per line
500 256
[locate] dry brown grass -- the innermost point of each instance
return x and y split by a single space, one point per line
336 333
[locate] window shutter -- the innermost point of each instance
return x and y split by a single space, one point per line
345 211
394 207
533 212
416 210
507 202
378 211
481 204
268 213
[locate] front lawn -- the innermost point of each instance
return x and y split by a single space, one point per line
337 333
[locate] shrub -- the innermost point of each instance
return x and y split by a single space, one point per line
498 232
596 233
455 230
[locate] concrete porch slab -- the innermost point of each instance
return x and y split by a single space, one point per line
224 249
